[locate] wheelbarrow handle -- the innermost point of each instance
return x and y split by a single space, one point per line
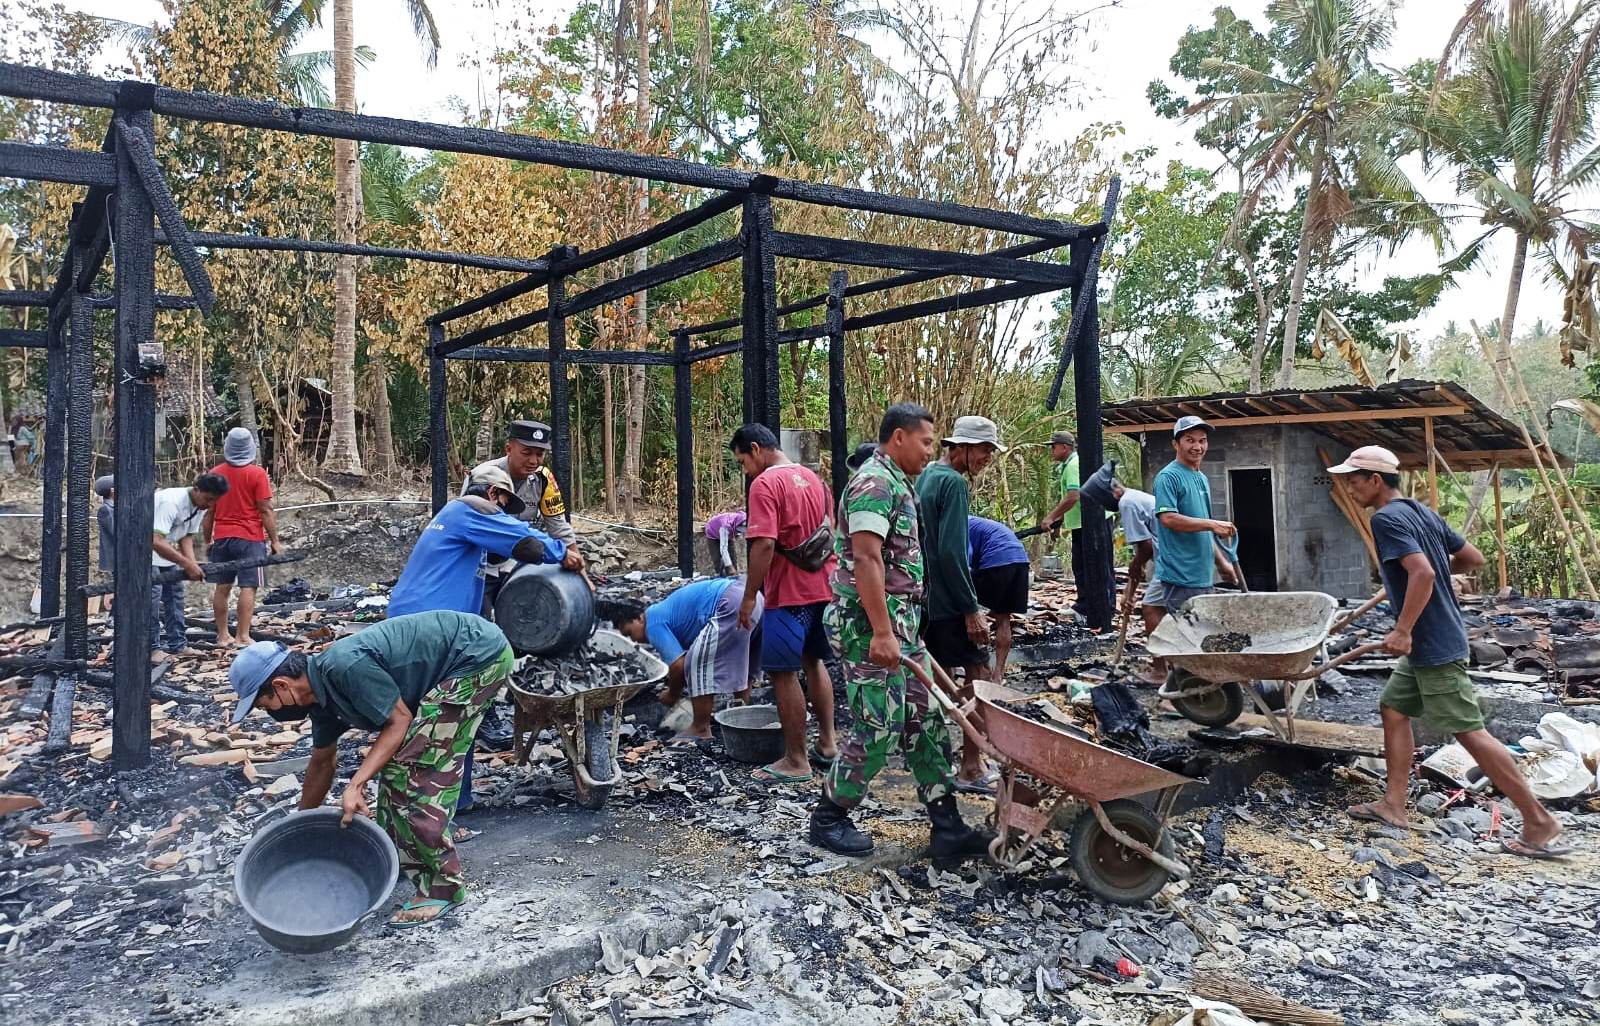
1356 614
943 693
1350 656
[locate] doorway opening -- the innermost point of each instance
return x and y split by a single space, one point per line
1250 502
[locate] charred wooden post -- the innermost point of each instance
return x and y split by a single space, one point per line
683 432
760 317
438 422
560 386
80 470
1095 590
838 422
134 237
54 463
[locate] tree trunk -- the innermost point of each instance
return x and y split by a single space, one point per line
1508 316
608 438
8 468
1258 346
1297 284
633 439
244 385
344 455
485 436
381 416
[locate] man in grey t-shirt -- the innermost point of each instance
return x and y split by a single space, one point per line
1418 552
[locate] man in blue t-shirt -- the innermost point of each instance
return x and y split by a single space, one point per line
697 633
1418 552
1186 549
1000 570
446 566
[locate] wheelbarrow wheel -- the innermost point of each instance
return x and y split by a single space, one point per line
1216 708
592 782
1112 872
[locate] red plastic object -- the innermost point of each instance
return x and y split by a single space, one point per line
1127 967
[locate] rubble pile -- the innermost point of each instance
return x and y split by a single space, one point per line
588 668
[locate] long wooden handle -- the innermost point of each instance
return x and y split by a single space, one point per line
1350 656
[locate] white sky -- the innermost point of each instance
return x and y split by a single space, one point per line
1124 49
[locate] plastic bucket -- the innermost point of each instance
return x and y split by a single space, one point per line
306 882
545 610
751 733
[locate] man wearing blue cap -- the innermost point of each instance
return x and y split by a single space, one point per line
1186 549
420 681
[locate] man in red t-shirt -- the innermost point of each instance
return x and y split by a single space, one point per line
788 504
240 526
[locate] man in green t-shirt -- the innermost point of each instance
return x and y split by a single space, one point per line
1068 514
956 631
422 682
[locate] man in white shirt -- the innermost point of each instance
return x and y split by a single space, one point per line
178 515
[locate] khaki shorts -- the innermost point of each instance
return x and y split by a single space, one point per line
1443 695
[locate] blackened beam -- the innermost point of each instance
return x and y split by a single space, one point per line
17 338
694 216
35 83
720 349
909 258
490 332
1086 295
223 240
948 304
143 155
100 301
867 288
512 354
784 338
802 334
494 297
57 164
650 277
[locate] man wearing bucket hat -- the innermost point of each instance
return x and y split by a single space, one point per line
1137 511
1187 556
1417 553
446 567
242 525
421 682
955 629
528 444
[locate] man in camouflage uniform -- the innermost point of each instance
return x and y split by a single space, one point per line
527 449
422 682
873 620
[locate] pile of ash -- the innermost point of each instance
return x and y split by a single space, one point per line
591 666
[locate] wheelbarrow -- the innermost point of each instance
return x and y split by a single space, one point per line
585 721
1120 849
1220 647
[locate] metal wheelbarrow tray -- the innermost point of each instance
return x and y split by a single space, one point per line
1284 632
1120 850
579 720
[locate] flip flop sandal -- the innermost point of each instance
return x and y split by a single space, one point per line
983 785
1365 814
444 906
771 777
461 835
1535 851
816 758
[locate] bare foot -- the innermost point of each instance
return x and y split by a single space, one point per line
245 639
158 657
1540 832
226 641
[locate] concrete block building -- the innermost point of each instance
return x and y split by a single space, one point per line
1266 466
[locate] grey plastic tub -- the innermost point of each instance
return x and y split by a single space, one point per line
751 733
545 610
306 882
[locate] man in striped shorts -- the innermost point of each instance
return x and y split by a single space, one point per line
696 631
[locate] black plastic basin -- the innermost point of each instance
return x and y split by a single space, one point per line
307 882
751 733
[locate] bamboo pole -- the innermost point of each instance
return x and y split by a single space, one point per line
1433 466
1538 464
1351 512
1499 526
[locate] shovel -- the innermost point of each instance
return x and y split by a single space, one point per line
1230 548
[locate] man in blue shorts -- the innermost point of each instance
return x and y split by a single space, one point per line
789 528
1000 576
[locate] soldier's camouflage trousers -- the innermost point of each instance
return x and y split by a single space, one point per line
892 708
417 790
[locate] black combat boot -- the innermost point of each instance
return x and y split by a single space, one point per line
951 840
831 829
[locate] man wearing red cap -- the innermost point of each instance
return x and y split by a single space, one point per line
1417 553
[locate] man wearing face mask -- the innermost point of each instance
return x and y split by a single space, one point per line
446 567
422 682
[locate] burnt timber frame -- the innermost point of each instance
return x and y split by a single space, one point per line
128 208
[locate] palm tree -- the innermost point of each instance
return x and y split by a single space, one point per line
1325 111
1511 114
344 454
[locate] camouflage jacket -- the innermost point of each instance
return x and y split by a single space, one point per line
879 499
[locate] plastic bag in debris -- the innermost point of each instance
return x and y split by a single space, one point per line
1124 725
1214 1013
1581 739
1560 761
